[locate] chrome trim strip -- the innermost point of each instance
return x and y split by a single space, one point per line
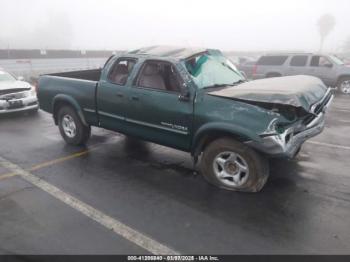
143 123
328 103
319 102
89 110
156 126
111 115
316 120
321 114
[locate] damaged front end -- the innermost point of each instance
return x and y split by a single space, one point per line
285 139
298 104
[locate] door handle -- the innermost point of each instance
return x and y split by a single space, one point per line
135 98
119 94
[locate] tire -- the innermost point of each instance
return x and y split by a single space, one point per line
73 131
251 180
342 88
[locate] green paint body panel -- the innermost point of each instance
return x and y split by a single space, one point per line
154 115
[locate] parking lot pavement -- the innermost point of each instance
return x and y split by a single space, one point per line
303 209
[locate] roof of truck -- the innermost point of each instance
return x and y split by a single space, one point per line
169 51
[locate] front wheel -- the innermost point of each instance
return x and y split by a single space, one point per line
231 165
73 131
344 85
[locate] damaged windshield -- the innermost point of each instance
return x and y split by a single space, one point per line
209 70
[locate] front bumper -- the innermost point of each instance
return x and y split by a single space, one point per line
288 143
28 103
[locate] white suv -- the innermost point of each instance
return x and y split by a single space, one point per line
329 68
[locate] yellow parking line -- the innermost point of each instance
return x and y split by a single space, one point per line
54 161
60 160
8 175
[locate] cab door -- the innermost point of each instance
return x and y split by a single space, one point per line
297 65
160 111
112 99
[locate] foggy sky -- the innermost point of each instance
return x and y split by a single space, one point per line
228 25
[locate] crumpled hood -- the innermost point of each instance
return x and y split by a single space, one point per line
5 85
299 91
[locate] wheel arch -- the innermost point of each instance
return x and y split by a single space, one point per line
210 132
341 77
61 100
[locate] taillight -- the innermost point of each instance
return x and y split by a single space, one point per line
255 68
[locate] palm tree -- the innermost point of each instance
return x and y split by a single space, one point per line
326 24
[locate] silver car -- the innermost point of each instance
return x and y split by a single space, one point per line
330 69
16 95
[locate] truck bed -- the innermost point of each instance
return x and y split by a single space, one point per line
78 86
92 75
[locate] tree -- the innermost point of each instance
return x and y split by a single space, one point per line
326 24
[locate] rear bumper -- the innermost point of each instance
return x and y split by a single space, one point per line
29 103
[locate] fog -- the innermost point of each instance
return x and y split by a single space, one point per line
229 25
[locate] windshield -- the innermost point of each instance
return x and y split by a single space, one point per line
336 60
6 77
213 70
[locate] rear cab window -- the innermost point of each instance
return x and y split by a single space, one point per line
272 60
120 71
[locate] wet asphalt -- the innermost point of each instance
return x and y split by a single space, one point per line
303 209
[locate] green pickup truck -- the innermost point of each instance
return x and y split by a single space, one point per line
194 100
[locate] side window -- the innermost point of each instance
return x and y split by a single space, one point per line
121 70
320 61
298 60
272 60
159 75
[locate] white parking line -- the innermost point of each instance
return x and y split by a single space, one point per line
329 145
344 120
118 227
341 110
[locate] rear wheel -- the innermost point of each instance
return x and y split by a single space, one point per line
232 165
344 85
73 131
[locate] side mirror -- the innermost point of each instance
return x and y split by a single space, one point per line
20 78
184 93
